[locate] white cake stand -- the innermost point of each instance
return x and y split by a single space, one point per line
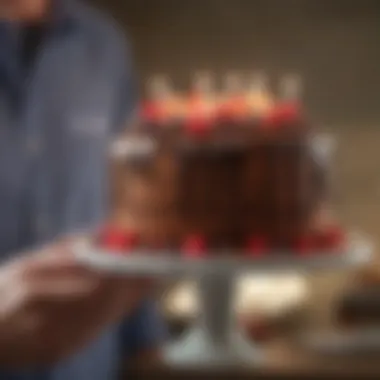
216 341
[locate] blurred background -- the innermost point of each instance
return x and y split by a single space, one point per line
335 45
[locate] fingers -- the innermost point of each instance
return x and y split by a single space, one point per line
52 276
54 260
52 267
60 279
61 290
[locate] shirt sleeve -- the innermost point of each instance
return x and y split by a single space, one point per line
145 330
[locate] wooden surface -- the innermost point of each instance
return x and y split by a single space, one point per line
283 357
283 361
334 45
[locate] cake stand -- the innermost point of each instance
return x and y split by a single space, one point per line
216 341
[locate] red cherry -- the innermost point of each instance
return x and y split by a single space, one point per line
194 246
113 239
225 113
130 240
149 112
257 246
234 110
152 112
282 114
117 239
334 239
195 101
288 112
305 245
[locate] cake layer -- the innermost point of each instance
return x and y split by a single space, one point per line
225 186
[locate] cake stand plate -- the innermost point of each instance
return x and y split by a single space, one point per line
215 340
168 263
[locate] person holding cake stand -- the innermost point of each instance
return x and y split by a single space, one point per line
66 87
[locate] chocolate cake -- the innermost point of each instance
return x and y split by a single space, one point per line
219 178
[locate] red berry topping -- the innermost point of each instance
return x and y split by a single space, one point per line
149 112
234 110
287 112
195 101
282 115
225 113
333 239
305 245
117 239
131 240
257 246
194 246
113 239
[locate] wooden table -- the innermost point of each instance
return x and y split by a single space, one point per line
284 361
284 358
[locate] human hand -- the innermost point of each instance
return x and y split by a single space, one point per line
51 306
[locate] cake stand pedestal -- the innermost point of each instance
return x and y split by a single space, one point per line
216 341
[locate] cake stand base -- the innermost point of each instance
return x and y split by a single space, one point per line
196 350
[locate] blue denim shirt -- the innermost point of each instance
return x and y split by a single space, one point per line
56 121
